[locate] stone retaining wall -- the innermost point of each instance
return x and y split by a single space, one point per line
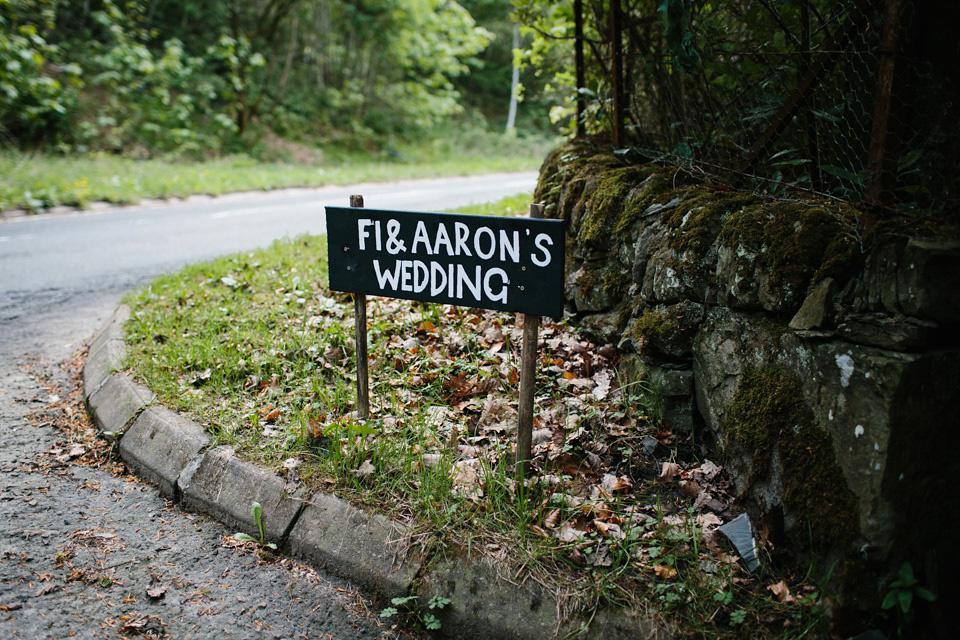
823 363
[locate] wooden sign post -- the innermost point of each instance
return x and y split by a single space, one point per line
490 262
360 312
528 378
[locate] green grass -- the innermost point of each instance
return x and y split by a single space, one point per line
37 181
255 347
514 205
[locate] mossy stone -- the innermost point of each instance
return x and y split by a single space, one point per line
769 409
667 330
697 221
796 242
606 202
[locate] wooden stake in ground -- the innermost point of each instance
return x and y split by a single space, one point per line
360 312
528 377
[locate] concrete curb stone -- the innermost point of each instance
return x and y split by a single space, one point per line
160 444
117 402
102 363
112 329
368 549
107 352
485 603
610 624
225 487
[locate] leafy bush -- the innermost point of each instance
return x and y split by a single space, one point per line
148 101
37 91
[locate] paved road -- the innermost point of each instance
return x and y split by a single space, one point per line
46 260
80 547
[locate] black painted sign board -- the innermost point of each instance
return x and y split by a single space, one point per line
507 264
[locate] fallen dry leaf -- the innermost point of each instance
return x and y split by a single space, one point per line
709 469
45 589
669 471
466 479
364 469
498 415
431 460
702 499
609 529
141 624
156 590
427 327
551 519
690 489
615 484
708 521
600 558
603 378
583 383
541 436
664 571
782 593
568 533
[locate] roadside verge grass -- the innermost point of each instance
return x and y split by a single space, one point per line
255 347
37 181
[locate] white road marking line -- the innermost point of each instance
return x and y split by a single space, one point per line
232 213
417 193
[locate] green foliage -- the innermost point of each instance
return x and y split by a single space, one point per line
146 99
145 78
410 606
675 17
382 69
37 89
901 595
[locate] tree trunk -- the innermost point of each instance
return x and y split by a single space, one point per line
514 81
580 67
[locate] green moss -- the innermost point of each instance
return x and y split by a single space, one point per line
768 409
573 161
668 330
697 221
659 187
605 204
653 324
553 174
796 242
548 189
615 283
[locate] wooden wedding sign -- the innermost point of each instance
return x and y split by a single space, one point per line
489 262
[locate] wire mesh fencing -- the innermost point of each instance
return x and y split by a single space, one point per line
854 100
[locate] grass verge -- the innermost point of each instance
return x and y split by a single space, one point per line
37 181
255 347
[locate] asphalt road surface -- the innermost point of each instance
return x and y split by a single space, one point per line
87 553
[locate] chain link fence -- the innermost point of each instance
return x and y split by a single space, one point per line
854 100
